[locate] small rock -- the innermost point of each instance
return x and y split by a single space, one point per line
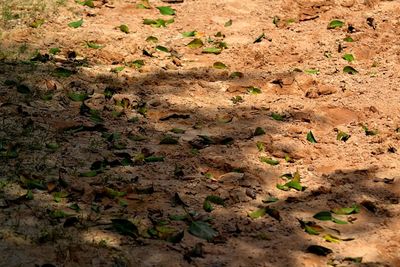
251 193
231 178
238 195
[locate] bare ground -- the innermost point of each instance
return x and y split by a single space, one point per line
47 140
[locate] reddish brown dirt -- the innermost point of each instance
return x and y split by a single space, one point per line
363 170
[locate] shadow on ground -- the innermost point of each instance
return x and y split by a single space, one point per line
105 157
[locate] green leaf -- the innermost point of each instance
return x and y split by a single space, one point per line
176 238
207 206
33 184
260 146
253 90
111 193
350 70
52 146
37 23
342 136
331 238
212 50
348 57
335 24
237 99
236 74
369 132
189 34
77 97
270 200
258 213
169 140
157 23
88 3
319 250
93 45
259 131
29 195
277 116
88 174
228 23
54 50
162 48
58 214
295 185
125 227
76 24
154 159
311 227
144 5
202 230
195 43
166 10
219 65
311 71
178 130
354 259
137 63
288 158
59 195
74 207
347 211
152 39
23 89
269 161
117 69
216 200
124 28
311 138
137 138
348 39
323 216
259 38
337 221
178 217
62 72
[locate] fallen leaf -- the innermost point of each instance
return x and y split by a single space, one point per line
124 28
219 65
347 211
152 39
335 24
125 227
189 34
195 43
323 216
162 48
253 90
348 57
76 24
331 238
228 23
258 213
350 70
259 38
166 10
319 250
342 136
269 161
259 131
311 138
202 230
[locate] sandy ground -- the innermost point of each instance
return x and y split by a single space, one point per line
43 159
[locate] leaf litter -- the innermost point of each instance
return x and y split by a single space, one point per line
126 142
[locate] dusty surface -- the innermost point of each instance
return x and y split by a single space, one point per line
37 142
